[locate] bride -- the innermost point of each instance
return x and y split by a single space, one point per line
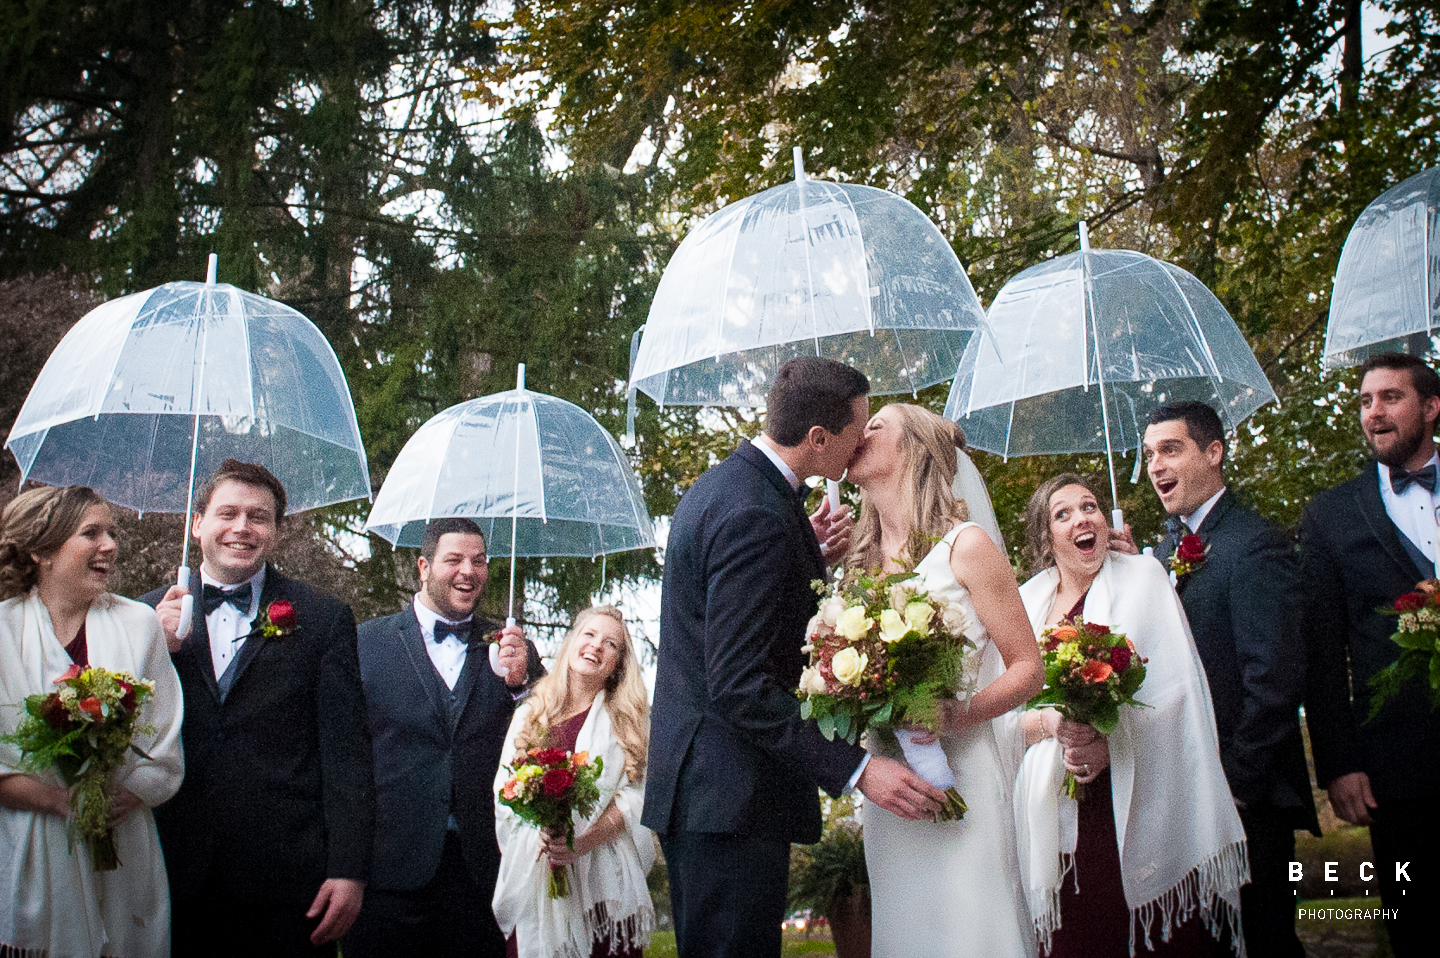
947 888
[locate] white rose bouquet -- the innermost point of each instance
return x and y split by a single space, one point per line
884 653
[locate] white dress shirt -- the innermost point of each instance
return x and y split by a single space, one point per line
1414 510
228 625
448 656
1194 519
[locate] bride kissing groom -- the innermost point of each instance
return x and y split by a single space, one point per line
733 769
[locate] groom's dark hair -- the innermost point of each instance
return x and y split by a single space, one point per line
811 391
1422 377
1201 420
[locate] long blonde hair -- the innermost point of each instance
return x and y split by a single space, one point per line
927 454
625 697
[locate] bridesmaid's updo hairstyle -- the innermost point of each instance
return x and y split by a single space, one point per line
928 456
33 526
1039 544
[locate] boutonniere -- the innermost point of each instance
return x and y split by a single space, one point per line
1189 557
276 620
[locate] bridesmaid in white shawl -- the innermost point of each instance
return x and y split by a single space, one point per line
593 702
57 552
1156 834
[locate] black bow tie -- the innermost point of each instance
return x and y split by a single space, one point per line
212 597
443 630
1177 528
1400 479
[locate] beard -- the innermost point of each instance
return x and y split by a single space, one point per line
1405 445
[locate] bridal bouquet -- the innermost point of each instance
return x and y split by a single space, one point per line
84 730
884 653
1090 672
1418 635
546 789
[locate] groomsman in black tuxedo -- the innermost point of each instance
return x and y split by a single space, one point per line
1364 544
1243 602
267 843
438 718
733 770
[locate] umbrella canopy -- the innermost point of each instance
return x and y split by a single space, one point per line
149 389
809 268
1387 285
1091 343
523 457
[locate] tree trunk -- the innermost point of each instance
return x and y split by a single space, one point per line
850 926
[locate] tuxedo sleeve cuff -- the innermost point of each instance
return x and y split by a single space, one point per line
855 779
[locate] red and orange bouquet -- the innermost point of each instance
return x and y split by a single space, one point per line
1090 672
1418 635
546 789
84 730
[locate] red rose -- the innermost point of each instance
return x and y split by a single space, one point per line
73 672
1191 550
92 705
1097 629
557 781
53 713
1120 658
548 756
127 697
282 614
1410 602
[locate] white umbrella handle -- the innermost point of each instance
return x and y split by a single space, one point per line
187 604
1117 519
832 490
495 665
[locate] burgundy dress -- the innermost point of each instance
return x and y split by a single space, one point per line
1095 921
563 736
79 649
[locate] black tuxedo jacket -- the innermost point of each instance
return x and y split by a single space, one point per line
278 794
1353 563
436 752
729 752
1244 610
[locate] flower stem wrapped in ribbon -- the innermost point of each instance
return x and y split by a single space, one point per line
546 789
884 653
84 730
1418 635
1090 672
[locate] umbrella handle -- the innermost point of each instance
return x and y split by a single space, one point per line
832 489
495 665
1117 519
187 604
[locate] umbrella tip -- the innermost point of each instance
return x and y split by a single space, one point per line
799 156
1084 237
210 268
520 376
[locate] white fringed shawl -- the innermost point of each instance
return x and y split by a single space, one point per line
1182 846
608 897
51 901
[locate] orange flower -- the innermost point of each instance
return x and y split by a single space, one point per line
92 705
510 789
580 760
1065 633
1096 672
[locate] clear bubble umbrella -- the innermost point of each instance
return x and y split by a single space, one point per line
809 268
1092 342
539 474
1387 285
150 390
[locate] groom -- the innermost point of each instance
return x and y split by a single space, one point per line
733 769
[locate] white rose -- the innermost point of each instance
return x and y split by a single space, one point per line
893 628
852 623
901 593
953 618
849 666
830 610
918 615
812 682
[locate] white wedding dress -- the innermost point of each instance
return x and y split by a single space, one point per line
942 889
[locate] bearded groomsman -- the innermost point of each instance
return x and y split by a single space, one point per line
438 716
267 843
1238 580
1364 544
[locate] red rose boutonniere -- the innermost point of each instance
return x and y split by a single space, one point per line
276 620
1189 557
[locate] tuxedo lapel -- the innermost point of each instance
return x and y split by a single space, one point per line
413 640
1372 508
274 589
1216 515
198 647
781 485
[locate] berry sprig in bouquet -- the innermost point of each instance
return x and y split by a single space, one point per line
84 730
883 652
546 789
1418 635
1090 672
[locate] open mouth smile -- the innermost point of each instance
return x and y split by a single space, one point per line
1166 486
1086 542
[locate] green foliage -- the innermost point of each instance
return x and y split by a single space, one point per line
831 870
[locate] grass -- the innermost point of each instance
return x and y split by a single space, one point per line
663 945
1342 937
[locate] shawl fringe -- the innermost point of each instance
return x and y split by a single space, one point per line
1047 913
1202 888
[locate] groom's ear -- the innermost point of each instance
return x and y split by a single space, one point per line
1215 453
